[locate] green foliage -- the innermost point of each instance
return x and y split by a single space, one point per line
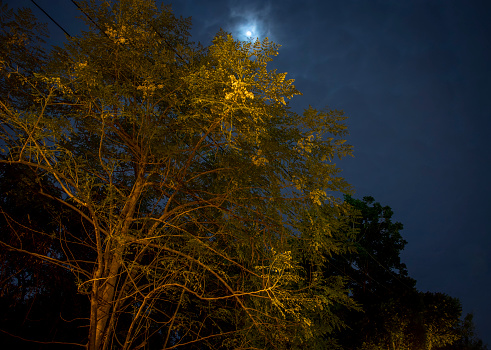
396 315
379 243
21 52
203 200
440 319
467 337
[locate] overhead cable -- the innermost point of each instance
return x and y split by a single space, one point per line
51 18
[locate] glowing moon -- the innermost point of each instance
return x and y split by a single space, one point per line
248 33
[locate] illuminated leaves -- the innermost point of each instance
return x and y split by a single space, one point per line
239 91
199 189
318 196
148 89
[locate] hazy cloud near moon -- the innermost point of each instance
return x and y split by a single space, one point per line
249 16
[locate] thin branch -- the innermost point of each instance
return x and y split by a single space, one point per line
42 342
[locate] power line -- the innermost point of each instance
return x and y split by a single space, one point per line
166 42
90 18
386 269
51 18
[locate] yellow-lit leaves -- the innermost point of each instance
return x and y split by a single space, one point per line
197 153
318 196
149 88
115 36
305 145
259 158
55 83
239 91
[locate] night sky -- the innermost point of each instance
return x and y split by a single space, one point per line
414 78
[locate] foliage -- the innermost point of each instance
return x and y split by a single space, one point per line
195 188
467 337
22 38
377 264
35 297
395 315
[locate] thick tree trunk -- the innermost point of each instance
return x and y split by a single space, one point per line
106 300
102 302
102 299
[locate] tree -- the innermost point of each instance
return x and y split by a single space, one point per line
396 316
377 266
377 278
467 337
441 316
193 183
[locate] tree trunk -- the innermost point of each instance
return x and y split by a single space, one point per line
103 300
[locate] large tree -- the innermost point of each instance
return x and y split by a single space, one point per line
195 187
395 314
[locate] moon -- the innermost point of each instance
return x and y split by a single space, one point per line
249 33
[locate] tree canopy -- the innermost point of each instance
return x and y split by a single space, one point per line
178 184
395 314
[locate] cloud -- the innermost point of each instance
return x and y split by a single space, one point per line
250 16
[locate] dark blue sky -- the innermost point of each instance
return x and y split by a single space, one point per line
414 77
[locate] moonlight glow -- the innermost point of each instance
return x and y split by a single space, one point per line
248 30
250 21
